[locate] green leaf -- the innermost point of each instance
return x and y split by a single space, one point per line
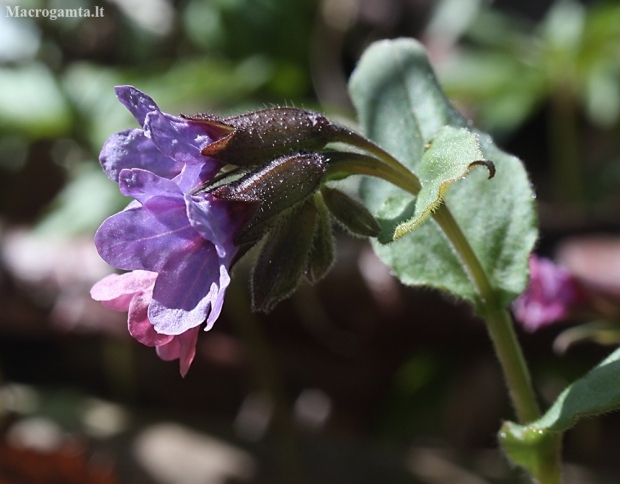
595 393
401 107
321 255
450 155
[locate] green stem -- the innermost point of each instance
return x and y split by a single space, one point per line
550 470
342 164
507 348
499 323
513 363
534 450
497 318
345 135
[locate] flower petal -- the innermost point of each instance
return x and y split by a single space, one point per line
216 220
550 295
187 288
193 175
178 138
144 186
138 103
216 306
133 149
116 290
143 239
138 322
177 245
183 348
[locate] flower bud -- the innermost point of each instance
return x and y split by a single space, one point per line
275 188
257 137
282 260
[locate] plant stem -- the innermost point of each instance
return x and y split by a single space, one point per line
499 323
550 470
509 353
497 318
343 164
345 135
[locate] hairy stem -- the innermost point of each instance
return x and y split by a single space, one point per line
345 135
343 164
498 320
499 323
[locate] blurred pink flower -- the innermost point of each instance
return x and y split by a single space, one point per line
550 295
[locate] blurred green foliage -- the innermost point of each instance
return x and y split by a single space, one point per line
57 76
510 66
569 63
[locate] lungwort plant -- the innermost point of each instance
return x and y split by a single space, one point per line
444 206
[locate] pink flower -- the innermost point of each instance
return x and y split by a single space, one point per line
550 295
133 292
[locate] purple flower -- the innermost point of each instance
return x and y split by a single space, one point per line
178 245
550 295
163 146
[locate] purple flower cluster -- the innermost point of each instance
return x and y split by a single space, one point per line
177 245
550 295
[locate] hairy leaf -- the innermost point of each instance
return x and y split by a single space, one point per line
449 157
401 107
595 393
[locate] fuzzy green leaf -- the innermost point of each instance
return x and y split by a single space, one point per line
401 107
450 155
595 393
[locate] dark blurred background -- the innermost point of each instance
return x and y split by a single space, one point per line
356 380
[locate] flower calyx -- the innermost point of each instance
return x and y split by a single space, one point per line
277 159
275 188
257 137
293 219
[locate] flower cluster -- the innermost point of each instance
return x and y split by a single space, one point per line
206 189
177 245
